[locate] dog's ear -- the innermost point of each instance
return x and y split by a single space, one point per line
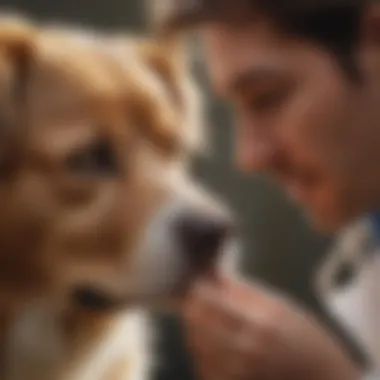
16 52
170 107
168 61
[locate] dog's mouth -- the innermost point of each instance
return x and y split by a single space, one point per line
93 299
96 300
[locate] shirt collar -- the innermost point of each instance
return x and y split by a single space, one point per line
374 218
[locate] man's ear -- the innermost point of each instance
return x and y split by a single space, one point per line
17 39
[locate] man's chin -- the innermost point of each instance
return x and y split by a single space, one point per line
329 223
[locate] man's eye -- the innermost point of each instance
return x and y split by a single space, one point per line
98 159
268 101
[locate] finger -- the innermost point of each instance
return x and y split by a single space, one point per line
209 323
227 306
209 360
222 364
233 357
219 321
222 323
233 352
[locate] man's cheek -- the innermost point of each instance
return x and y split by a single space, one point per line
330 206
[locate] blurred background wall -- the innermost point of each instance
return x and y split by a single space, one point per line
279 248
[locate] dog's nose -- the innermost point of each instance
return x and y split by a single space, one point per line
202 236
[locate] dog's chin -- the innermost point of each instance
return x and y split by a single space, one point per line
171 299
98 301
167 296
168 299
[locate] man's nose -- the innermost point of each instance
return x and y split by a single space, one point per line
255 152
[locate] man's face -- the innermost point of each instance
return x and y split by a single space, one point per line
301 119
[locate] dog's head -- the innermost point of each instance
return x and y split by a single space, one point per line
94 144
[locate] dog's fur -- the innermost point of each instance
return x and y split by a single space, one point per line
95 135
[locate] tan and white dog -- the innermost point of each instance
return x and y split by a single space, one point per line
98 216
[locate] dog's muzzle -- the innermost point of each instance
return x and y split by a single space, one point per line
181 243
201 236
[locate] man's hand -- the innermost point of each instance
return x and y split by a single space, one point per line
238 332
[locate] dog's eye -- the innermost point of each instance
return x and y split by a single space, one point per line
98 159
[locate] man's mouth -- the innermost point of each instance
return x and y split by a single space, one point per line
295 191
301 187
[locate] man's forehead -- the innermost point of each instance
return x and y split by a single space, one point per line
257 53
234 57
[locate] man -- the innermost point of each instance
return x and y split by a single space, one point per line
304 79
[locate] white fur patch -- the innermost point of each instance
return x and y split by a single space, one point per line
36 349
129 340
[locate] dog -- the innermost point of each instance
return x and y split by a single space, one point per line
100 219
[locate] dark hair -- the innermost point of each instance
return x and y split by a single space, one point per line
332 24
